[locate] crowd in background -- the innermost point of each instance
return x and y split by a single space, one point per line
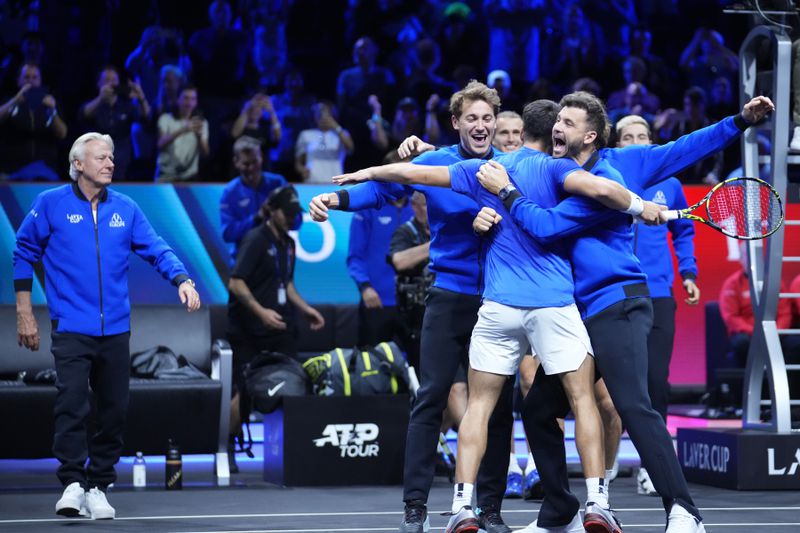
332 84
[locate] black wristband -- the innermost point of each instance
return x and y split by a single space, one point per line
180 278
364 285
509 201
740 122
344 200
23 285
688 275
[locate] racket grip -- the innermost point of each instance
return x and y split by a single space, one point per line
672 214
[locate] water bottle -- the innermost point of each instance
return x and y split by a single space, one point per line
174 468
139 472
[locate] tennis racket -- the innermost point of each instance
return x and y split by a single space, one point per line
742 208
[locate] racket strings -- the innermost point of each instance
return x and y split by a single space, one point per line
745 208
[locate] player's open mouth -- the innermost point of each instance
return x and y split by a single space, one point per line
480 139
559 142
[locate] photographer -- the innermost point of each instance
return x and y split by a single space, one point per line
31 126
113 111
408 254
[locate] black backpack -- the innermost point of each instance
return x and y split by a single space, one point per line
270 376
359 372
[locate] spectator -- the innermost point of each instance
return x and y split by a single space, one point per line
501 82
587 85
706 58
463 41
31 129
634 70
514 38
508 131
636 97
407 122
113 111
294 109
575 49
320 152
157 48
169 88
91 320
353 89
721 100
737 310
424 81
182 138
263 298
222 69
672 124
270 48
259 121
221 56
243 201
371 232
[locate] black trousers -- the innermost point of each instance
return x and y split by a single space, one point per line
446 331
619 337
104 364
660 342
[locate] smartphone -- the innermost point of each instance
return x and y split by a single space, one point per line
34 97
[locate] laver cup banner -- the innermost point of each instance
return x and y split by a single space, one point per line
187 217
740 459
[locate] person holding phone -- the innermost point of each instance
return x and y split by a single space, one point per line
182 139
31 126
113 111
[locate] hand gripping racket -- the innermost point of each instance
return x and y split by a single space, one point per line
742 208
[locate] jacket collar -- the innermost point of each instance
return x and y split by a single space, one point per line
79 193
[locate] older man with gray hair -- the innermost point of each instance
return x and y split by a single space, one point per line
83 234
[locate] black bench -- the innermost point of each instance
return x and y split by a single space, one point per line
194 413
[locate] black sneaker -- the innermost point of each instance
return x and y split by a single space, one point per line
415 519
492 522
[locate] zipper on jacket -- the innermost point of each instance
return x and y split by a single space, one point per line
96 217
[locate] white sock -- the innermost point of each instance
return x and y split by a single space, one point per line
513 465
606 484
531 465
462 496
596 492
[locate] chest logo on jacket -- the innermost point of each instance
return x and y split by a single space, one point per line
74 219
116 221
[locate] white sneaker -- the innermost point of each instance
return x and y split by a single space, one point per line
794 146
682 521
575 526
72 500
644 485
97 505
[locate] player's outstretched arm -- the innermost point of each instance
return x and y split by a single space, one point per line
405 173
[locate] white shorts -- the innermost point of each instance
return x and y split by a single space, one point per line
503 335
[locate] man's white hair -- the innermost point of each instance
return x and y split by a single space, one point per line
78 150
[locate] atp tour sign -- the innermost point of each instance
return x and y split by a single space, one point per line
336 440
740 459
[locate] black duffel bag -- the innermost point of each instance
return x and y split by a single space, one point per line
270 376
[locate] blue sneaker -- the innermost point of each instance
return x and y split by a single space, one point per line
513 485
533 489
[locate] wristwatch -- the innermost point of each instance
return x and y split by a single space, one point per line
505 191
190 281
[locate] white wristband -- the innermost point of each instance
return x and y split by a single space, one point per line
637 206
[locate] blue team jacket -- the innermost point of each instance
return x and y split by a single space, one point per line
371 233
455 254
86 264
641 166
650 242
239 205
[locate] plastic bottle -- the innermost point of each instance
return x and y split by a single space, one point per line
174 467
139 472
